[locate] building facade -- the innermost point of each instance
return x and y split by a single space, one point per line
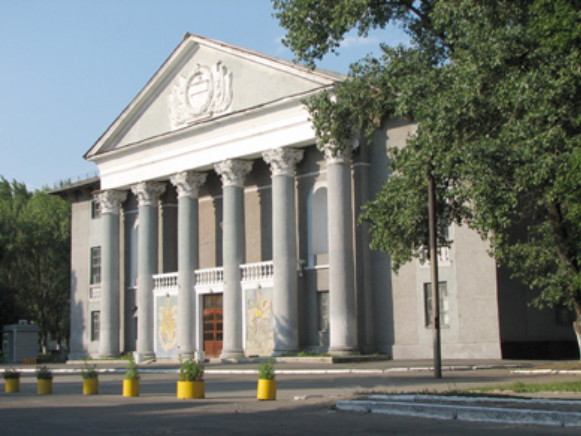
219 224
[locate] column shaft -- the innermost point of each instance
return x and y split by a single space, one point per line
147 251
342 303
285 300
187 263
187 184
233 254
146 267
232 173
109 327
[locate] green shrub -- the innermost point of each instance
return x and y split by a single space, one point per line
89 371
132 372
11 373
266 370
191 370
43 373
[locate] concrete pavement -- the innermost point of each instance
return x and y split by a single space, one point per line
311 390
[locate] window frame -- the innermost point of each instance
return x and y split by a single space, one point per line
95 266
95 325
444 304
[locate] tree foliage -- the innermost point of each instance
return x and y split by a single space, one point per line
34 259
495 90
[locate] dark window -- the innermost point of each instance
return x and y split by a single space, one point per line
95 325
95 209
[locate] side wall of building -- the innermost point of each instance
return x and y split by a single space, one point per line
85 235
469 311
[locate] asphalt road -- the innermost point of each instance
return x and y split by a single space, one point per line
304 406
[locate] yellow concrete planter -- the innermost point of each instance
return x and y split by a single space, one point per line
44 387
130 388
90 386
266 390
11 385
191 389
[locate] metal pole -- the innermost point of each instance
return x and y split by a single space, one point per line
434 273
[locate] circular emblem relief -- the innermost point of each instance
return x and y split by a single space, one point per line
199 90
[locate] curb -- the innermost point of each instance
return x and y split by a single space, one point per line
546 371
122 370
389 406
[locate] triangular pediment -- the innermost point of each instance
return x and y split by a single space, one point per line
202 80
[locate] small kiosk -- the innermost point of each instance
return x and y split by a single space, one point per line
20 341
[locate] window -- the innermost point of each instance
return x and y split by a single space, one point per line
95 265
323 311
443 251
95 325
95 209
444 304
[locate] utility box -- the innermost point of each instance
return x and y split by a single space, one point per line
20 341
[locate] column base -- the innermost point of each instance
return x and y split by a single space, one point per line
186 355
343 351
232 354
143 357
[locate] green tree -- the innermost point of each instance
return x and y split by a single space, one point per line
34 259
43 253
13 196
494 87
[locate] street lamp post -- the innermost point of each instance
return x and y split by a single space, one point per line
434 273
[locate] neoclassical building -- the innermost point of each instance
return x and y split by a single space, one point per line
219 224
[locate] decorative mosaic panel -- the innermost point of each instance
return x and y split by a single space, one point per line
259 322
166 313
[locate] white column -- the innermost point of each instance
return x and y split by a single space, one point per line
233 173
148 198
188 185
342 302
285 300
109 330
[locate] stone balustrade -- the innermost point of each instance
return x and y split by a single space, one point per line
250 272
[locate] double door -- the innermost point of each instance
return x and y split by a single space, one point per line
213 324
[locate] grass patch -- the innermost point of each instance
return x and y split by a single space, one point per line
562 366
530 388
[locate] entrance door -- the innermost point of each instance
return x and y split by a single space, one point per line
212 305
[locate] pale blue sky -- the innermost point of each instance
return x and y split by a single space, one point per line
69 67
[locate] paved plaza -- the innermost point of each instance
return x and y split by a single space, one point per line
307 396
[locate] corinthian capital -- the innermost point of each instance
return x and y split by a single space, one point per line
148 192
110 201
338 154
233 172
188 183
282 161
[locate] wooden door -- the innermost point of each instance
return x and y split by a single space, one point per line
213 326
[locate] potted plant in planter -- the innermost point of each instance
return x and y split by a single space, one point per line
266 389
191 380
44 380
131 381
90 379
11 381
